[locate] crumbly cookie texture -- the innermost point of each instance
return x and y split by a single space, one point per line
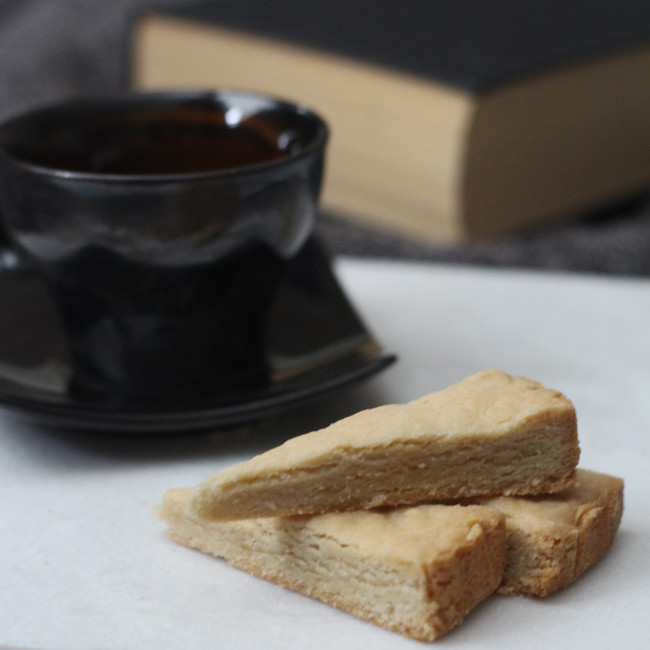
552 540
490 434
416 571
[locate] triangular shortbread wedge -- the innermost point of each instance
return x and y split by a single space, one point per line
416 571
490 434
552 540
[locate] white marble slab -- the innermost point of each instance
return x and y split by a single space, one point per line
84 565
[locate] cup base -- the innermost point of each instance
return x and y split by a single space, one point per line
145 331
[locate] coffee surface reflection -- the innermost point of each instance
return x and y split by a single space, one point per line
152 142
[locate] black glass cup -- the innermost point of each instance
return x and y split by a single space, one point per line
162 222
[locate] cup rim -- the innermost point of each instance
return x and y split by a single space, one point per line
164 97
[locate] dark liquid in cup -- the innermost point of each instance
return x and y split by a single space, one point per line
158 145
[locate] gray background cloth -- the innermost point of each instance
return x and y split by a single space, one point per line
59 49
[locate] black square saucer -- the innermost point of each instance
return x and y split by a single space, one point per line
316 344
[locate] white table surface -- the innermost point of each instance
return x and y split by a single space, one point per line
84 565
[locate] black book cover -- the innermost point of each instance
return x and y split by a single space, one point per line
473 44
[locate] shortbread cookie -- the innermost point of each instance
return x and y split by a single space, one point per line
490 434
417 571
552 540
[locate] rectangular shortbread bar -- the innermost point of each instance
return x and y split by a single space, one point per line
491 434
416 571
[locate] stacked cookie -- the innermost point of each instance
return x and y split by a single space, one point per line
410 515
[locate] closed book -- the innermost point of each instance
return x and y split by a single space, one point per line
450 119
